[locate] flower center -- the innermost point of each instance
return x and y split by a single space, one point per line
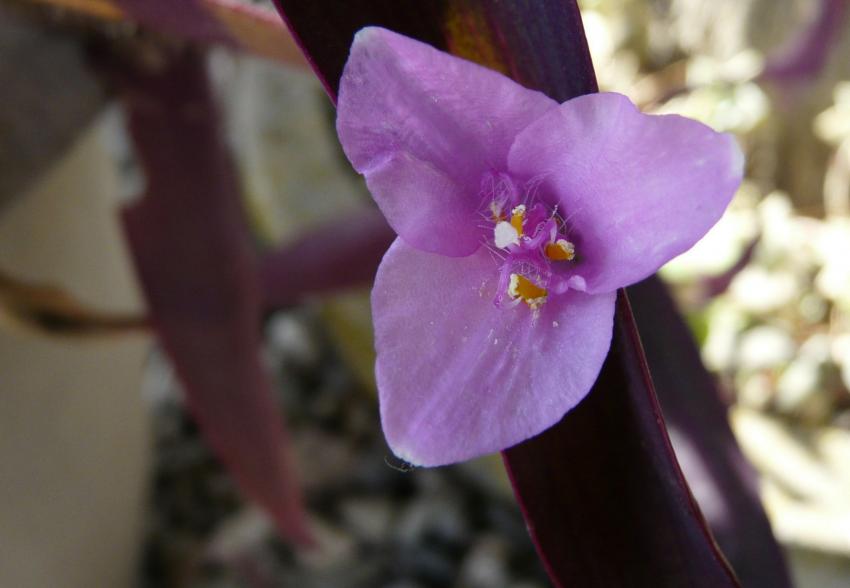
529 238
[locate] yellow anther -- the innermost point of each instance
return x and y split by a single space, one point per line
560 250
527 291
517 218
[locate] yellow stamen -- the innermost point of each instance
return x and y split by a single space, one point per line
560 250
527 291
517 218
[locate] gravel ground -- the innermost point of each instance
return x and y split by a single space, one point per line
377 524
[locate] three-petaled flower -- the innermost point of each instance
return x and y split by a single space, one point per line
518 219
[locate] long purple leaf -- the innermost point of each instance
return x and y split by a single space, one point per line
805 55
344 253
647 530
189 243
724 482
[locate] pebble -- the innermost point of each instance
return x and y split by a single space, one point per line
485 565
765 347
368 518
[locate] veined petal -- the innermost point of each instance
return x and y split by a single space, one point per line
458 377
637 189
402 102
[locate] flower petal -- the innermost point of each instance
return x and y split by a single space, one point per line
424 206
447 121
458 377
637 189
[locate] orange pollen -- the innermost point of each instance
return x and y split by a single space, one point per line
527 291
517 218
560 250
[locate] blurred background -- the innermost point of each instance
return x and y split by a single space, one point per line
104 479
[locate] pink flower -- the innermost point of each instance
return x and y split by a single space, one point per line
518 219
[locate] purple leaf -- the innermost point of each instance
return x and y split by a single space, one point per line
724 482
713 286
344 253
605 476
324 29
194 259
804 56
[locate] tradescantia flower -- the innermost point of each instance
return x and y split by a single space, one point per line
518 219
